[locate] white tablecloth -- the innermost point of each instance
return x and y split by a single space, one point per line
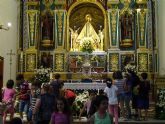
85 86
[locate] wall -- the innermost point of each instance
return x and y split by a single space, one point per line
161 36
8 39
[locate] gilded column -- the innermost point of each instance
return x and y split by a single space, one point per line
32 23
60 22
113 23
142 27
32 18
142 17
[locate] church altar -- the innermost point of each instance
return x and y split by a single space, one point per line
55 31
84 86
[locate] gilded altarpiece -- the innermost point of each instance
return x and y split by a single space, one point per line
54 31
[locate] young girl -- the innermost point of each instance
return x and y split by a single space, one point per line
111 92
101 116
62 112
8 98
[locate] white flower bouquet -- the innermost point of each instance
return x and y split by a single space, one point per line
79 102
130 67
43 74
160 105
87 46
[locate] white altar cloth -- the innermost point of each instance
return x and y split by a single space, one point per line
85 86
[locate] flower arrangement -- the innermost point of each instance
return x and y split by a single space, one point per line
130 67
160 105
79 102
87 46
43 74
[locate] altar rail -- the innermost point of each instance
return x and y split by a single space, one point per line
85 86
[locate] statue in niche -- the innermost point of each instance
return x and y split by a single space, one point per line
47 27
126 30
87 33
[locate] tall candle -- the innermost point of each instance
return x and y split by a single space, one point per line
51 75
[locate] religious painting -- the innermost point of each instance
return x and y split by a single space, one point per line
46 60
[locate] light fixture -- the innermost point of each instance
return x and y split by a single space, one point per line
5 27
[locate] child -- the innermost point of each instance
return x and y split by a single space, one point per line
87 104
143 96
62 112
111 92
101 116
35 93
23 95
8 99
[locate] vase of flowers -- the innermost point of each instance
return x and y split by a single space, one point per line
87 46
43 74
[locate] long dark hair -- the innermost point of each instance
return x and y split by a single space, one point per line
66 106
10 84
96 103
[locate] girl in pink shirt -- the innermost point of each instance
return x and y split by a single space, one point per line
62 112
8 98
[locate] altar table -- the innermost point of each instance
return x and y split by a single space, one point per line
85 86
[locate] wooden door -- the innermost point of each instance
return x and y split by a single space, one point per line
1 76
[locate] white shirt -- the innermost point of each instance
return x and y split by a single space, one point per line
112 94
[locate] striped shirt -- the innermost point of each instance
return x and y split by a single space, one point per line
120 85
34 99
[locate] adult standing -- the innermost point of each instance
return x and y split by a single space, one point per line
57 85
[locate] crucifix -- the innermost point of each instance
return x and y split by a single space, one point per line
10 54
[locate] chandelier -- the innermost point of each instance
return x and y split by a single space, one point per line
3 27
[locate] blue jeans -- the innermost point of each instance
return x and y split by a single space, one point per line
127 100
23 106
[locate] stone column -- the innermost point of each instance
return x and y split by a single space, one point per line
161 35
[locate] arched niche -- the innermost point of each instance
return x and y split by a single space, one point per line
76 18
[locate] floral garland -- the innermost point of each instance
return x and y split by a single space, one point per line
87 45
160 105
43 74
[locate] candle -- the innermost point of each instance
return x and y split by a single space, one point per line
21 56
51 75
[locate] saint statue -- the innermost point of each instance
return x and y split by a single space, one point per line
126 30
47 27
87 33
